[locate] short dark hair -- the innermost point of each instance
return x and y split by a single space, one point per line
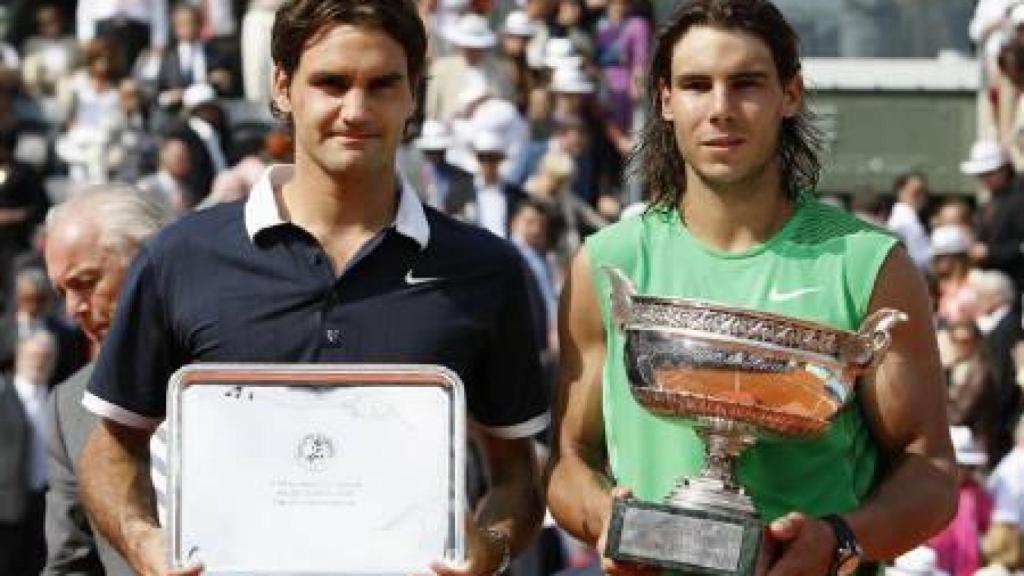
300 21
901 180
190 8
528 203
656 158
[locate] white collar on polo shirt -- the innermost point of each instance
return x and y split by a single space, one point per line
263 211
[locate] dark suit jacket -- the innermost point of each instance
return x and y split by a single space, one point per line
461 202
459 185
170 75
1001 228
1000 342
72 545
15 436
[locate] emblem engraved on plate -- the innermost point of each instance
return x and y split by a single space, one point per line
315 451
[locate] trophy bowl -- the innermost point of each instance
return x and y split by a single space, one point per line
736 374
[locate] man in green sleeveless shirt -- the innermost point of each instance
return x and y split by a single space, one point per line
731 161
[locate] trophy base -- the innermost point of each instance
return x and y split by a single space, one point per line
692 540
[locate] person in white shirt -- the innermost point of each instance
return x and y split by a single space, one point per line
1002 542
133 24
49 56
493 200
89 102
911 198
988 31
257 64
474 61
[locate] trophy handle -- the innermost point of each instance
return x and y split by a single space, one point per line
623 292
875 337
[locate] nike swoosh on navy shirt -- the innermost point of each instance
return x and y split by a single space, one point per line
414 280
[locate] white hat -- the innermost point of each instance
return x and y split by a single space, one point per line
967 451
921 561
434 136
571 80
517 23
560 52
986 156
497 115
471 31
197 95
488 142
951 239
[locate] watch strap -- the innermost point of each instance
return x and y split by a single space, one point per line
847 545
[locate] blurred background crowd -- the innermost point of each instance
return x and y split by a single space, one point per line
525 129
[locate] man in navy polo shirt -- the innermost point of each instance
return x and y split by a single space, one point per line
329 260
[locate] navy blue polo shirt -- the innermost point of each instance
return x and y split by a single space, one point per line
237 283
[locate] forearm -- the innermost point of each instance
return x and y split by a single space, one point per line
513 505
579 497
916 499
117 490
903 402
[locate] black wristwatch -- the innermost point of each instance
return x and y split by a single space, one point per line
848 552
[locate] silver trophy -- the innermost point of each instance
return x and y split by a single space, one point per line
735 374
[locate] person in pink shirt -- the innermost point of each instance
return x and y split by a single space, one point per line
957 546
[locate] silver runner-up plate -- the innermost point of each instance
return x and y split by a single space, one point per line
315 469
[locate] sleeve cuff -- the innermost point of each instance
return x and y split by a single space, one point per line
104 409
526 429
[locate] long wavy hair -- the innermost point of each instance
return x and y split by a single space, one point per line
656 158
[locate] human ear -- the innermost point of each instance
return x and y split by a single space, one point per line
793 96
279 85
665 94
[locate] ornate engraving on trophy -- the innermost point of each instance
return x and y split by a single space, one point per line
734 374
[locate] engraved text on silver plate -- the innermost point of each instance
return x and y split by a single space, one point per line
696 541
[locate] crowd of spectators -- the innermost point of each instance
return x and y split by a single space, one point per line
525 129
972 255
174 99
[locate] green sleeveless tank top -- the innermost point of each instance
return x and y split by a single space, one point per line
821 266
